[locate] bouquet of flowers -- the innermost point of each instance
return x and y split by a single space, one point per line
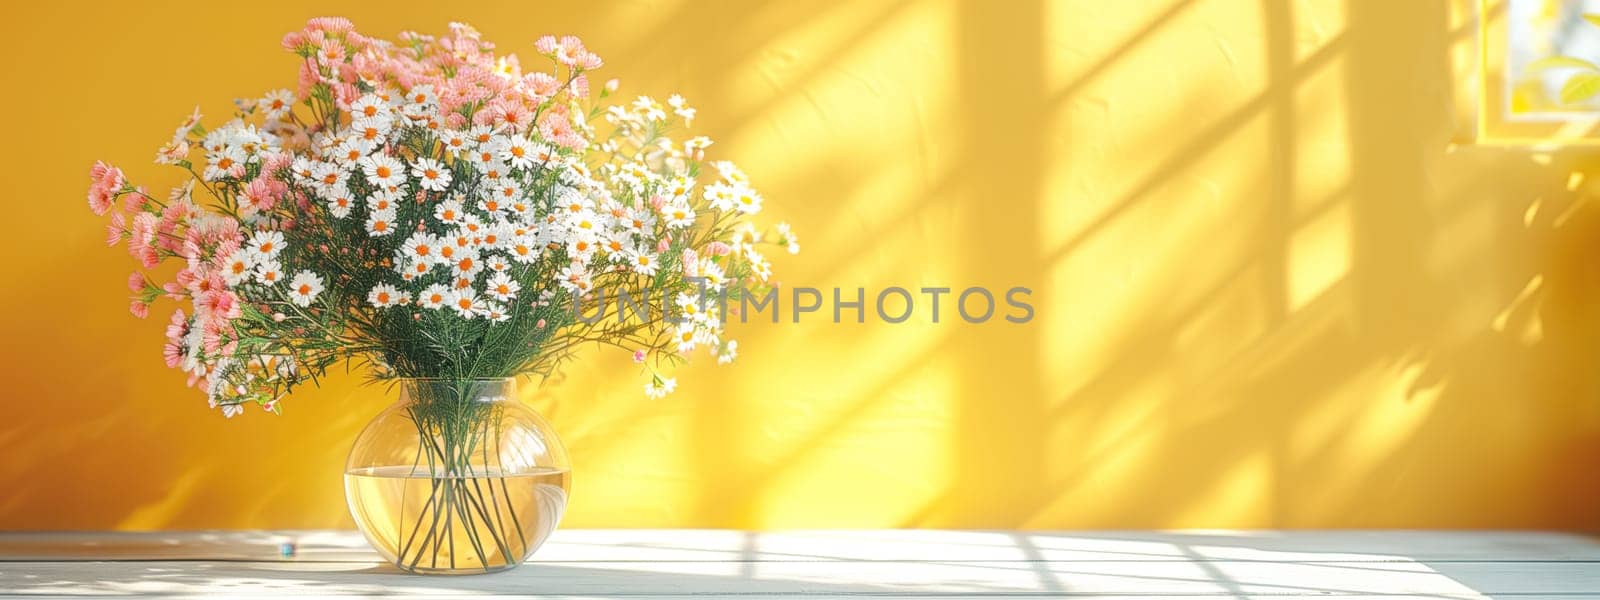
429 209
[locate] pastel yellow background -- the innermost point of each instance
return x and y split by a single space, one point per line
1272 287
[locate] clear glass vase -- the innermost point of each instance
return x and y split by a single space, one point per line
457 477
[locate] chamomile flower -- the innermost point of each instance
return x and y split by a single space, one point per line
720 195
495 312
729 351
746 200
642 262
455 141
434 296
369 106
659 387
575 278
496 264
421 97
758 265
466 264
465 302
276 104
787 239
339 204
383 171
304 288
430 174
422 248
523 249
680 108
269 273
518 151
265 245
745 238
383 295
503 287
371 133
381 223
226 162
677 215
238 266
448 212
349 151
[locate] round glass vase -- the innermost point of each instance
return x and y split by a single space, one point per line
457 477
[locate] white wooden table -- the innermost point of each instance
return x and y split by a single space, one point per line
834 564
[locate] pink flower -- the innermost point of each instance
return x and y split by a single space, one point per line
139 308
104 183
545 44
334 25
177 329
718 249
115 228
638 356
542 84
136 282
134 202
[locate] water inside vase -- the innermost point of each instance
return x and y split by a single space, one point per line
485 520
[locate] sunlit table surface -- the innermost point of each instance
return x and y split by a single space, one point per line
832 564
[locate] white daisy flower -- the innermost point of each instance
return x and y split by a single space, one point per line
466 263
383 171
269 273
370 133
677 215
495 312
496 264
275 104
502 287
266 245
304 288
501 197
369 106
434 296
329 179
430 174
448 211
225 162
642 262
720 195
339 204
383 295
518 151
422 95
465 302
758 265
659 387
731 173
238 267
479 135
524 249
422 248
787 239
455 141
729 351
381 223
745 238
575 278
746 200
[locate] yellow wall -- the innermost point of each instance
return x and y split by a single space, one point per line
1271 291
